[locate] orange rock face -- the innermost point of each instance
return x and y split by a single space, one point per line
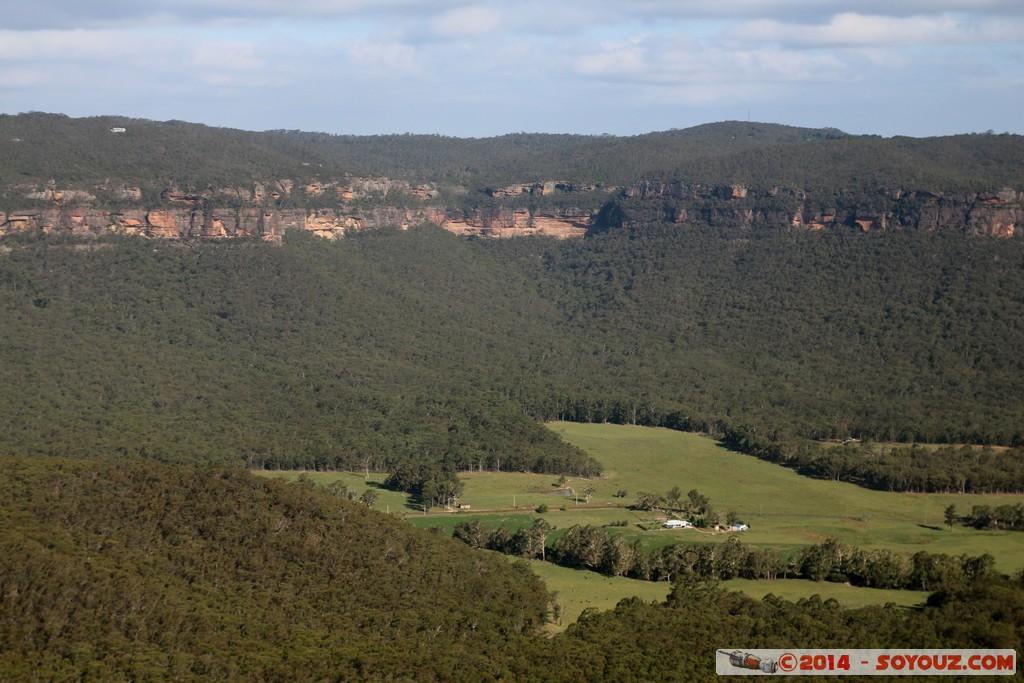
373 202
213 226
163 223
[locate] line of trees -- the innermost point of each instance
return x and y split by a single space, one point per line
1009 516
600 550
912 468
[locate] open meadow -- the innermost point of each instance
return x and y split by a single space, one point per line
785 511
579 589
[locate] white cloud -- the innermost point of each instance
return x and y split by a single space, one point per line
98 13
615 59
676 60
466 22
21 77
66 45
375 58
805 10
226 57
858 30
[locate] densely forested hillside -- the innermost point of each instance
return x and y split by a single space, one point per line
830 334
394 347
138 571
389 347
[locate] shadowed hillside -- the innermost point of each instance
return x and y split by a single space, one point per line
138 570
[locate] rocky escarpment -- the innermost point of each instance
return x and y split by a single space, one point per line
268 210
995 214
332 208
272 223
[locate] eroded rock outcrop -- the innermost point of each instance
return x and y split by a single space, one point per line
179 223
333 208
995 214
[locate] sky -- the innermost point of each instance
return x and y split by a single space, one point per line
488 67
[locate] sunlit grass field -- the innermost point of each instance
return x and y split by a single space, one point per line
784 510
578 589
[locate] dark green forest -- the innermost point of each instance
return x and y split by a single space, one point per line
140 571
137 571
396 347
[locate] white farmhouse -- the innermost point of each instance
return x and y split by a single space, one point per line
677 524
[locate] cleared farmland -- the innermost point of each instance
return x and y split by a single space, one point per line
785 511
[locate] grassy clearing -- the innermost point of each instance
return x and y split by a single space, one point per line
510 520
577 590
785 511
644 458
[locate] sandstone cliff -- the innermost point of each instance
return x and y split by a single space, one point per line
332 208
184 215
998 214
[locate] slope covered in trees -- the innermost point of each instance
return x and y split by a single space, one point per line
829 335
141 571
388 347
403 347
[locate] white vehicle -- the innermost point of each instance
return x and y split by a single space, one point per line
677 524
739 527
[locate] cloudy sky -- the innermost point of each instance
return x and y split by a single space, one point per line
487 67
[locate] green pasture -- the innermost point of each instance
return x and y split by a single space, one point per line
576 590
509 520
785 511
652 459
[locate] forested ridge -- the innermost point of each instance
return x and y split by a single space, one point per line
393 347
38 148
140 571
314 355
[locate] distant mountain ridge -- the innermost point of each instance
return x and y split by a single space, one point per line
180 180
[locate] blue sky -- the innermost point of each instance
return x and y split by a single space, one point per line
489 67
